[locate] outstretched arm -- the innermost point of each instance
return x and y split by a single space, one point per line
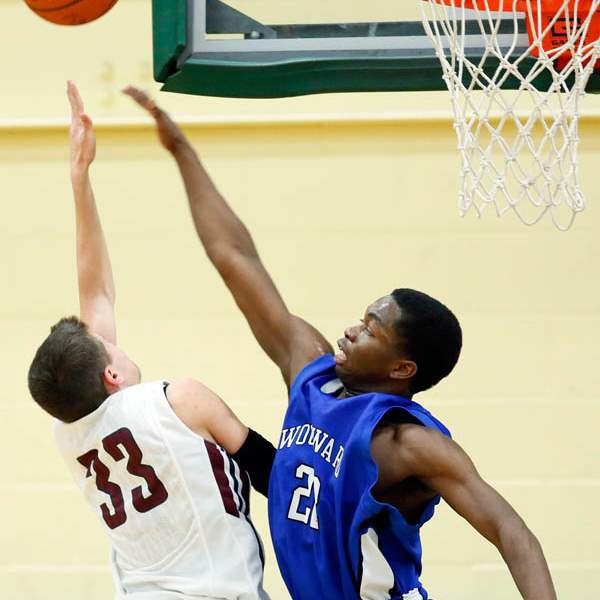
443 466
288 340
94 273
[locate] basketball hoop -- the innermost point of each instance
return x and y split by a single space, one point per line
516 103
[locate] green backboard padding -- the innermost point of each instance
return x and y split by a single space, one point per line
312 76
303 76
169 22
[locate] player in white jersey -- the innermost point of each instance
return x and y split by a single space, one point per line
153 460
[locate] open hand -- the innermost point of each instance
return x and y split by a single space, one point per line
83 140
169 133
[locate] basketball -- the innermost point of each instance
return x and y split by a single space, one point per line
70 12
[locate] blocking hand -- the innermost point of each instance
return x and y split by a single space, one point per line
169 133
81 132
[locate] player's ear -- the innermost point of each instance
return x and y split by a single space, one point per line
404 369
112 379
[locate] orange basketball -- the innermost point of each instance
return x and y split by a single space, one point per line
70 12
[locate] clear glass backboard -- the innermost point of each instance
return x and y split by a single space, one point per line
274 48
377 27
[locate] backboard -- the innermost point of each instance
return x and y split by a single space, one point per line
274 48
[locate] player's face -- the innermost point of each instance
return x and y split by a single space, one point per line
369 350
122 364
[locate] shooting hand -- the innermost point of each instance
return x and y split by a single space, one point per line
169 133
81 132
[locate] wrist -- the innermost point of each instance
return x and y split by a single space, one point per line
181 150
80 174
81 167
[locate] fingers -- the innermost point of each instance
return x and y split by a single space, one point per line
140 97
77 109
143 100
74 98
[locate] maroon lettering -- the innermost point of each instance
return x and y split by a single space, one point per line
158 493
112 444
116 518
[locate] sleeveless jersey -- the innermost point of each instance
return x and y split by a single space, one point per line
174 505
331 537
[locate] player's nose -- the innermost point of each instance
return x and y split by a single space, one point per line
351 332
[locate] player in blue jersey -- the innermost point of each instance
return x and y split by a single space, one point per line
360 466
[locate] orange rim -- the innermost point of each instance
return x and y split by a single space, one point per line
557 35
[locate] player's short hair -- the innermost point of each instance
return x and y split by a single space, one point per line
430 334
65 377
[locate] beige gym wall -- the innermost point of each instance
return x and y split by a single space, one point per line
347 197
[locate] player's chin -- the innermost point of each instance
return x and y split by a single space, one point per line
342 371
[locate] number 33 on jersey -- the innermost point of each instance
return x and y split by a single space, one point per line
114 444
174 505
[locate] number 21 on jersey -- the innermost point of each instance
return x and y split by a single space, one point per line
309 489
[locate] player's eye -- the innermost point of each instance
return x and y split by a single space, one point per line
366 328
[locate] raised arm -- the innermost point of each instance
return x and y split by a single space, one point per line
443 466
94 273
288 340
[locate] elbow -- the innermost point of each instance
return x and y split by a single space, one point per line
229 259
513 534
228 243
110 296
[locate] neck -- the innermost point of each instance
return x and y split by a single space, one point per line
347 392
357 390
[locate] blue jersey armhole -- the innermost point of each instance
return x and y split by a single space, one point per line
427 420
385 505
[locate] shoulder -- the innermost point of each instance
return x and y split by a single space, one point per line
206 414
194 404
416 437
307 345
188 388
414 450
190 392
321 364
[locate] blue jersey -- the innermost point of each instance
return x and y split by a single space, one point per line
331 537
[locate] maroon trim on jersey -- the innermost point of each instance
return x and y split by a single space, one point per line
218 466
246 490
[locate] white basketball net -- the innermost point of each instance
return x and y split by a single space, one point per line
518 148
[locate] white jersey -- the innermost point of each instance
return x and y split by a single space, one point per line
174 505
